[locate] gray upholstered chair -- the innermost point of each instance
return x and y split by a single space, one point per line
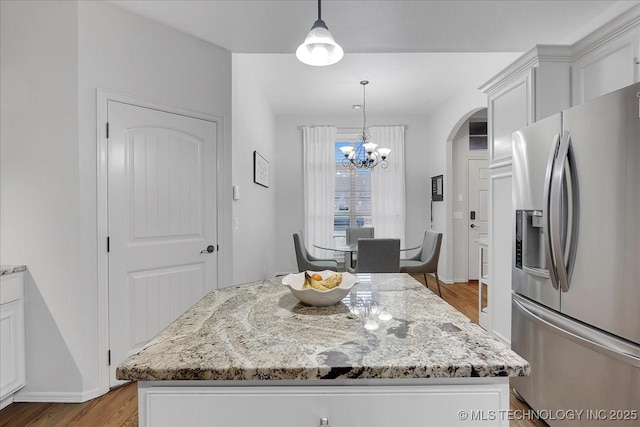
309 262
378 256
352 236
425 261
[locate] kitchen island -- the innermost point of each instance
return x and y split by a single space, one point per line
253 355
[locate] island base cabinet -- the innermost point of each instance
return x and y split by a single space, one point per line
484 404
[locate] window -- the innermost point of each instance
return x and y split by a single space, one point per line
477 135
352 193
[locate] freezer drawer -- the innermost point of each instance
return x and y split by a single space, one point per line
574 367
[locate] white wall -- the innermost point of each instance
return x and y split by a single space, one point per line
54 56
255 211
289 206
39 210
459 182
444 125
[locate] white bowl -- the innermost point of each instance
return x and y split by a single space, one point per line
311 296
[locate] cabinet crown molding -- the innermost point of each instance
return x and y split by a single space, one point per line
616 28
531 59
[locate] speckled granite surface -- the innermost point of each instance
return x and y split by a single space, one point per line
10 269
260 331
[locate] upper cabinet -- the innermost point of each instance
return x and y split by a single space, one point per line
608 59
549 79
532 88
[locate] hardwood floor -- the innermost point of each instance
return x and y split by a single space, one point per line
119 407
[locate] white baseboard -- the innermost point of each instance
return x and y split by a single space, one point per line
444 280
6 401
56 397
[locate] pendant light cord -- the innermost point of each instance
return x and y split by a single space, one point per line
319 15
364 84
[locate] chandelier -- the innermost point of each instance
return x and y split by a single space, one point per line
365 155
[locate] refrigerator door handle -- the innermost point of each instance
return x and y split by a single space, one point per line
546 230
564 172
576 332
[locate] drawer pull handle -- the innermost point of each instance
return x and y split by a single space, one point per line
324 421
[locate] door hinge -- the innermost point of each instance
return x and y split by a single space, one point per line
217 248
107 130
108 244
109 357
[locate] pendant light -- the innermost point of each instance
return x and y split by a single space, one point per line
319 48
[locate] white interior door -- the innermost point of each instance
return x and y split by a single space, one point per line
162 218
478 173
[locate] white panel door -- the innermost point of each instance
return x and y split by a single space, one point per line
478 173
162 218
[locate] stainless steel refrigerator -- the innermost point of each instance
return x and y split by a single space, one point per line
576 261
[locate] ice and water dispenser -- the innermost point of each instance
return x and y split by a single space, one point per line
530 254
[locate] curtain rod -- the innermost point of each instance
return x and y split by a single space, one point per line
356 128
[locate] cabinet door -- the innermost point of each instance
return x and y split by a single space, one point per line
607 68
510 109
12 362
339 406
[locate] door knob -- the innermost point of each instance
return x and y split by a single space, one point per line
209 249
472 226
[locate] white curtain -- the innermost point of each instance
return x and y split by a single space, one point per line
388 185
319 172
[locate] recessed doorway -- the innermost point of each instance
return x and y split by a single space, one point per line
470 169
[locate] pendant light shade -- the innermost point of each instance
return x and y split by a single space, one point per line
319 48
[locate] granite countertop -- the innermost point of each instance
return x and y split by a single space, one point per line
260 331
10 269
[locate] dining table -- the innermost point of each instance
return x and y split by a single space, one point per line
353 248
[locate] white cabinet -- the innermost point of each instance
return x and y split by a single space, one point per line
532 88
607 59
12 337
535 86
483 283
429 403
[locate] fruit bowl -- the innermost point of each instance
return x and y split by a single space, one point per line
314 297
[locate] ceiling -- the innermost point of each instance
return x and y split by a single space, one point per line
415 53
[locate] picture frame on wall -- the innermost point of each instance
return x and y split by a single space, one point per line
436 188
260 170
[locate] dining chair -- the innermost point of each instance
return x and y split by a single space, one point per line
352 236
307 261
426 260
378 256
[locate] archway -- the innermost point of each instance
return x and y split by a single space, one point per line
450 197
